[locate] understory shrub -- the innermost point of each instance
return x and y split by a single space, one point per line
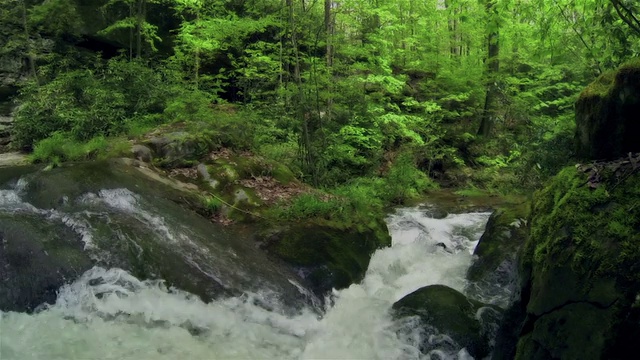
61 147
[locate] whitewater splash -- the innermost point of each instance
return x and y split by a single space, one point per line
109 314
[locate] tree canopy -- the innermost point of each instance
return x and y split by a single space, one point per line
344 87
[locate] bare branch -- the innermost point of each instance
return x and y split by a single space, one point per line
629 18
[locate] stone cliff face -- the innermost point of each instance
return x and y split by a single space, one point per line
579 291
581 265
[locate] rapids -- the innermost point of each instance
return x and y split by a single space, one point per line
108 313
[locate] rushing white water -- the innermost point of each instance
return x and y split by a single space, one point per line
109 314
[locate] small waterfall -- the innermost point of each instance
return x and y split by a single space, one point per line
110 314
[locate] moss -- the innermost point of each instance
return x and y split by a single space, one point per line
335 255
584 227
223 172
603 85
583 257
182 149
600 87
606 121
282 174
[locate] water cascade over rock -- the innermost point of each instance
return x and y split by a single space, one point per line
116 310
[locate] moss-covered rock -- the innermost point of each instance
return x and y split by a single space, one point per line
466 321
607 124
493 273
328 254
181 149
581 266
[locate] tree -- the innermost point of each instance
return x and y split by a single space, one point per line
135 23
492 64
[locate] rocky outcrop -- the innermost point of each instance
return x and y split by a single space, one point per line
56 224
579 290
493 274
180 149
443 310
13 159
327 254
580 267
240 187
607 124
32 270
6 127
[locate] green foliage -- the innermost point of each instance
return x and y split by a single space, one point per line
313 206
88 103
336 96
212 204
189 106
62 147
405 181
56 17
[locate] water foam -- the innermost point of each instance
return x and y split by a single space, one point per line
109 314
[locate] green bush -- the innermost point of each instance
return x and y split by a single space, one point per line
308 206
363 195
87 103
405 181
62 147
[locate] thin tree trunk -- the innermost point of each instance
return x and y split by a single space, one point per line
30 52
142 7
626 15
130 33
307 153
197 58
491 70
328 24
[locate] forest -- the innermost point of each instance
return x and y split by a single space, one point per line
393 97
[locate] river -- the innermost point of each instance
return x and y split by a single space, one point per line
107 313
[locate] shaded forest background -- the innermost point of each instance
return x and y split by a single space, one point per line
373 97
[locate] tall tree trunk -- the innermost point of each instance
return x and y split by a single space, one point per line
131 33
308 161
492 67
197 57
329 28
140 19
31 58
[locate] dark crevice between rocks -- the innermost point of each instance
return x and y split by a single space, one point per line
532 318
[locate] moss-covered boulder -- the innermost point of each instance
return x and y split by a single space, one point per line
581 266
493 273
180 148
328 254
468 322
607 124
